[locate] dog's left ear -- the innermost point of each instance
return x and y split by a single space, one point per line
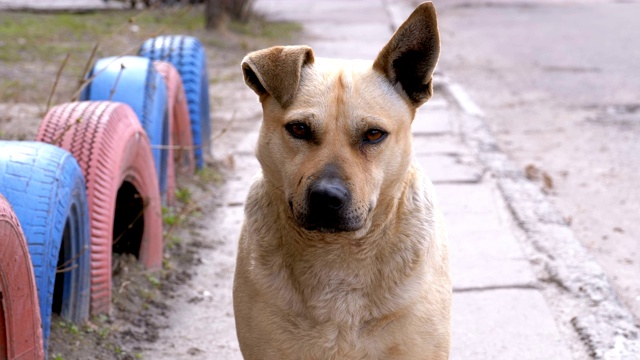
409 58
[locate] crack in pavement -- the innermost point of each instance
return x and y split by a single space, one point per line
496 287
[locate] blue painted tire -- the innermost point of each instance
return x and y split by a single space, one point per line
133 80
46 188
187 54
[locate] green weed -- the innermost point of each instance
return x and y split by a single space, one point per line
183 195
153 280
169 216
210 175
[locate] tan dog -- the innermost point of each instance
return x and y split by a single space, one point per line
342 253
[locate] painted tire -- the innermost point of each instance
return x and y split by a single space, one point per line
46 188
20 326
187 54
115 155
134 81
181 156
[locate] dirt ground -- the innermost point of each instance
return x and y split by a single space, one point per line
139 298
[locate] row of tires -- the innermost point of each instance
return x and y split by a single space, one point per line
92 183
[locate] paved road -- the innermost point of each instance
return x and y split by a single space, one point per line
558 81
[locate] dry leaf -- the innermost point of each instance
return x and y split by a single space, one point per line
547 180
531 172
568 220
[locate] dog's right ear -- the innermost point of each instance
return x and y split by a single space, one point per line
276 71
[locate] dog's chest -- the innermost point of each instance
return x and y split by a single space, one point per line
345 314
342 297
332 341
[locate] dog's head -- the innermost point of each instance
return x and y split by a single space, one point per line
336 134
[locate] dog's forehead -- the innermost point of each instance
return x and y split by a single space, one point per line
348 72
353 85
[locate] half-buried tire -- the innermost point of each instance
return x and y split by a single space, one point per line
46 188
181 158
187 54
124 200
20 326
133 80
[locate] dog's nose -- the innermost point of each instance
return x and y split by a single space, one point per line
328 194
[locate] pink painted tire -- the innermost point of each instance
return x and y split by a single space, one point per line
181 155
20 325
114 153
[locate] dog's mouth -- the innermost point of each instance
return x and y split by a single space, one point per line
324 220
329 224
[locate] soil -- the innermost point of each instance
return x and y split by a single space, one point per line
142 301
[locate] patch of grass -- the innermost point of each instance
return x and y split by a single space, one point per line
69 327
166 264
183 195
105 332
153 280
281 30
169 217
29 36
172 241
37 43
209 175
12 88
117 350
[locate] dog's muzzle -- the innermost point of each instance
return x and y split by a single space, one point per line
328 206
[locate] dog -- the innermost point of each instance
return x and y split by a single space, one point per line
343 252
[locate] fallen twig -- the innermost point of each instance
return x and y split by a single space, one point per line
55 83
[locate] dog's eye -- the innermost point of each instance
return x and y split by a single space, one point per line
299 130
373 136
